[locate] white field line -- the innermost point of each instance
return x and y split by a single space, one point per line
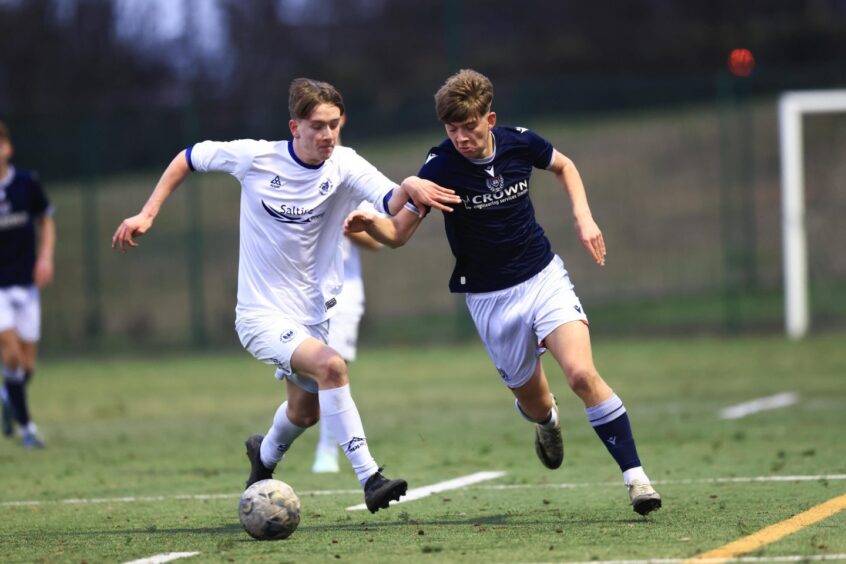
159 558
201 497
453 484
761 404
750 559
736 480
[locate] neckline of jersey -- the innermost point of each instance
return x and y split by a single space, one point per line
298 161
485 160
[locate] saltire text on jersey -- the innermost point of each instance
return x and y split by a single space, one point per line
493 234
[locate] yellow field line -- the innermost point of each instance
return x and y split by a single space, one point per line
771 533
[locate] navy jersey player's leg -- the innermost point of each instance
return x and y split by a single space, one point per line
560 321
570 345
19 332
503 320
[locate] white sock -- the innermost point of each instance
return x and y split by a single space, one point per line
279 437
327 441
553 420
635 473
340 414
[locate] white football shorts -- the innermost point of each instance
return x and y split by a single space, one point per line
513 322
343 334
272 339
20 309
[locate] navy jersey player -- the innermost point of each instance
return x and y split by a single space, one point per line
295 195
27 242
517 290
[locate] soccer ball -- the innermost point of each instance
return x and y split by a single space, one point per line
269 510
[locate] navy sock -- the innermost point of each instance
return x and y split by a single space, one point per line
611 423
17 399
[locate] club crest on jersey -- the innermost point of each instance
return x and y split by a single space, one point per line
286 336
495 183
325 187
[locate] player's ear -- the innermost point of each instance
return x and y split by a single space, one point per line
491 119
294 126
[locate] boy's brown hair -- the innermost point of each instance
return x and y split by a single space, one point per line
305 94
464 95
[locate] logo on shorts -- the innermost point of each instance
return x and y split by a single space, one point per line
503 374
330 304
287 335
325 187
578 308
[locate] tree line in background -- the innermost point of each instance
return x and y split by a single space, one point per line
64 66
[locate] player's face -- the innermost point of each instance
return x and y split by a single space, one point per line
315 137
472 138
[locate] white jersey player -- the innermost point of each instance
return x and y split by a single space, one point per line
294 197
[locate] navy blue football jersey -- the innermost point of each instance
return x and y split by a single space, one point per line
493 234
22 202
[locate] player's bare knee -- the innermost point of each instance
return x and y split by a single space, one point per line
331 371
582 380
11 355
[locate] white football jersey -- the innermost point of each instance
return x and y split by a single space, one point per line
292 218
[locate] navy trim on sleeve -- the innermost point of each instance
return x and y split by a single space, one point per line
385 201
188 157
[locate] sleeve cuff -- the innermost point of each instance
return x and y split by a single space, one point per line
188 158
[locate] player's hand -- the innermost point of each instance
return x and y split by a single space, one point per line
427 194
358 221
43 273
129 229
591 237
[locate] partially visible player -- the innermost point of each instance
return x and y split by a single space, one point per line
517 290
294 198
343 331
27 242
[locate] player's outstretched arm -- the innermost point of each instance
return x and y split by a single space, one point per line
43 273
586 228
137 225
364 241
393 232
425 194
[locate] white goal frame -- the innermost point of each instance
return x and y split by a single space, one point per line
792 106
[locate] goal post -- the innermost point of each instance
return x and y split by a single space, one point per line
792 106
